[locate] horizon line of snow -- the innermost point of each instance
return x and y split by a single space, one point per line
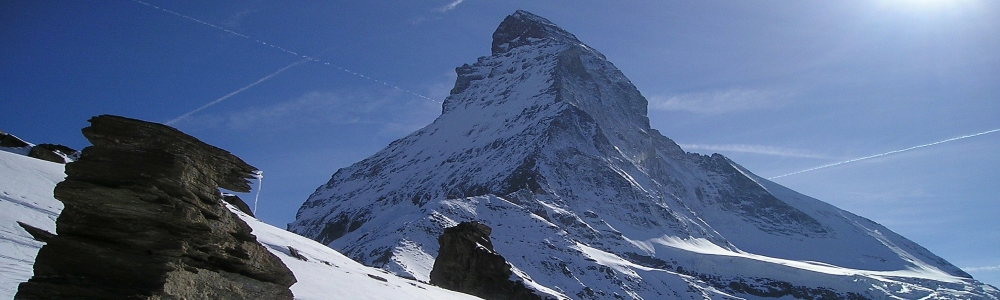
986 268
753 149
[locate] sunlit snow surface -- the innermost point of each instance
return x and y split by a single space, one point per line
25 195
26 186
327 274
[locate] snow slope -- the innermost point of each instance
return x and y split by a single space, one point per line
327 274
548 143
26 186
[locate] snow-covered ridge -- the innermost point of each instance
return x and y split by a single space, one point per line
546 142
50 152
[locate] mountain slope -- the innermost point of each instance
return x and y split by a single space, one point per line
25 196
26 186
548 143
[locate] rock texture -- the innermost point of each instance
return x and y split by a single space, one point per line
53 152
143 219
48 152
11 141
237 202
37 233
467 263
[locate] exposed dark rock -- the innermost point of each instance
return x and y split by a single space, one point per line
143 219
11 141
38 234
296 254
524 28
48 152
52 152
238 203
467 263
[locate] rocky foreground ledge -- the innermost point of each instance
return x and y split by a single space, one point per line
143 219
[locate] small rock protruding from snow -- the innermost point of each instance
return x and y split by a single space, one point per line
467 263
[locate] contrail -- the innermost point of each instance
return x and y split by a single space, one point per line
450 6
282 49
887 153
223 98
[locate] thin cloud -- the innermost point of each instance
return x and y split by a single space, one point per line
888 153
237 18
722 101
227 96
976 269
754 149
393 112
450 6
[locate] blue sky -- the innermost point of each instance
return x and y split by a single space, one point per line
778 86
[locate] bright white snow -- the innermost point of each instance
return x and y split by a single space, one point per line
26 186
327 274
25 195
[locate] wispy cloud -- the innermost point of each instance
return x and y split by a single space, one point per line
450 6
322 108
721 101
754 149
977 269
236 19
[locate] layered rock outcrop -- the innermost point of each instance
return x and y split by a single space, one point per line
467 263
143 219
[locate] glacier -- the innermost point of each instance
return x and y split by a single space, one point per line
548 143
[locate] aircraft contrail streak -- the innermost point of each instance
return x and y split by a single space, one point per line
223 98
887 153
279 48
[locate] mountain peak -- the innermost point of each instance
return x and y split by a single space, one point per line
522 28
549 144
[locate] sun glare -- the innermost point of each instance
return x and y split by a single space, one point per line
928 10
930 5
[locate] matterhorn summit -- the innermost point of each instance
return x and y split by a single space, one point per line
548 143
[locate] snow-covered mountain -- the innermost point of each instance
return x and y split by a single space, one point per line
549 144
26 186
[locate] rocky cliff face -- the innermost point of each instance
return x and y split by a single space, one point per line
143 219
547 140
467 263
